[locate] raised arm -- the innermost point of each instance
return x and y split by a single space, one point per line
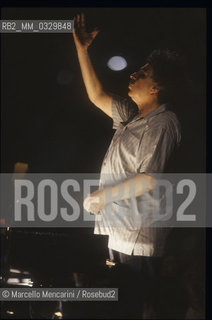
94 89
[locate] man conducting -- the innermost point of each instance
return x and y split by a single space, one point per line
144 140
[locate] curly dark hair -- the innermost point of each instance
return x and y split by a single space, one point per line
169 73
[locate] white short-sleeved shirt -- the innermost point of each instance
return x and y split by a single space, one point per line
139 145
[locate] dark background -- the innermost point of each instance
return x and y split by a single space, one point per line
47 119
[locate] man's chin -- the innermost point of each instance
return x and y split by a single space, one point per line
130 94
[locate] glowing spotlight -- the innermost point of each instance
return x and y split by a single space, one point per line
117 63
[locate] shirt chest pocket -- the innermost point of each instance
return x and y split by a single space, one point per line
127 147
130 139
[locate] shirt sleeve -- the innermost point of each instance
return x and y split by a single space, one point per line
123 109
155 149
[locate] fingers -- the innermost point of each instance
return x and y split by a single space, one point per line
74 29
79 20
92 204
83 20
75 24
90 201
94 33
82 38
77 27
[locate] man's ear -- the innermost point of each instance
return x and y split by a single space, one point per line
154 90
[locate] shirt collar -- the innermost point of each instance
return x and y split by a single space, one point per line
156 111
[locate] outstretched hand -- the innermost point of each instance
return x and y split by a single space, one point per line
82 38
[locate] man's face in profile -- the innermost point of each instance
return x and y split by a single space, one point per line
141 85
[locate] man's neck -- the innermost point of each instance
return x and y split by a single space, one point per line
144 110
